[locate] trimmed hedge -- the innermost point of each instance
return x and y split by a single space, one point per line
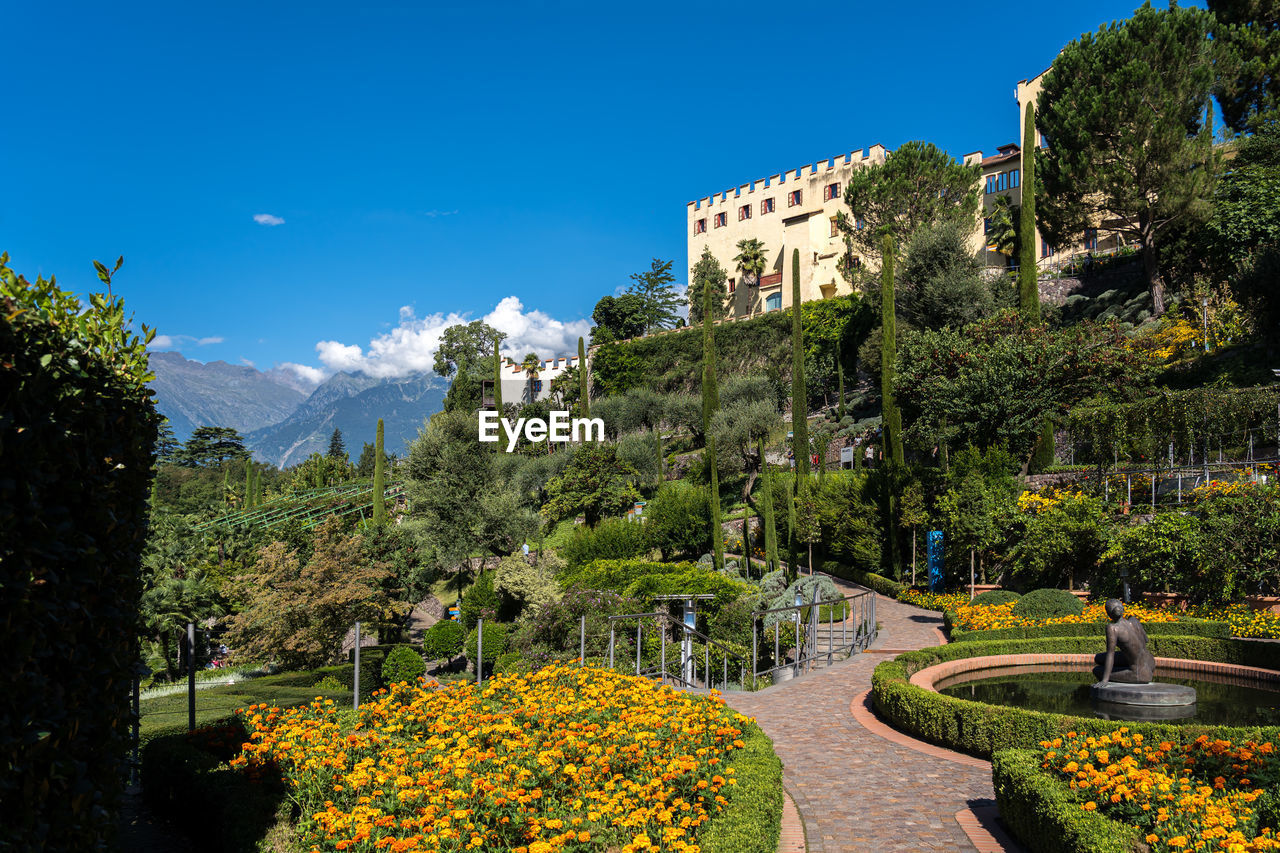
980 729
403 664
996 596
1042 603
871 580
1045 815
753 820
77 425
1182 628
495 644
443 640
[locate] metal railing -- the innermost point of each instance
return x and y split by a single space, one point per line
684 672
815 639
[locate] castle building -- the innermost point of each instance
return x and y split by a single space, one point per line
520 386
796 209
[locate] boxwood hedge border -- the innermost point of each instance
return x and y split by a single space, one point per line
753 821
980 729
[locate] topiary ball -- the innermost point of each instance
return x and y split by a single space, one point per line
403 664
1048 603
995 596
443 640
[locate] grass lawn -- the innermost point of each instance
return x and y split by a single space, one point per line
213 703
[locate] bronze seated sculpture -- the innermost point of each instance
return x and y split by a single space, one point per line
1125 671
1126 660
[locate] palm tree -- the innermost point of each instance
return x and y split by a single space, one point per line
1003 232
531 364
751 260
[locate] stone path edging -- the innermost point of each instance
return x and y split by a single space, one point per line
791 839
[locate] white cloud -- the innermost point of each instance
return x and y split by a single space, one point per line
310 375
267 219
434 213
170 342
411 346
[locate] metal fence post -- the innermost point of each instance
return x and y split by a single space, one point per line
662 631
639 625
611 626
479 653
755 649
582 641
355 681
191 676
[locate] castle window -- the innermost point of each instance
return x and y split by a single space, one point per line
991 183
1003 183
859 223
537 386
831 191
721 220
732 284
1014 179
744 212
766 206
835 227
1045 249
773 302
986 225
793 198
1091 239
700 226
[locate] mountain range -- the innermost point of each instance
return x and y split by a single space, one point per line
282 419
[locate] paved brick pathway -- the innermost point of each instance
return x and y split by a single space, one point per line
855 790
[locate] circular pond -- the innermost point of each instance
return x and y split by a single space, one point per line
1221 700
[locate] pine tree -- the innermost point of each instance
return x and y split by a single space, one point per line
799 390
337 447
379 485
1028 276
710 403
584 395
889 355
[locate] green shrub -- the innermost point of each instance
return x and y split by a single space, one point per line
520 584
1047 603
850 519
495 644
403 664
443 640
510 662
981 729
679 521
753 820
1060 543
480 601
871 580
1046 815
611 539
996 596
76 440
330 684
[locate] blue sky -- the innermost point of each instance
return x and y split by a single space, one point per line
431 162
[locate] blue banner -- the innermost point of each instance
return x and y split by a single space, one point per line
935 560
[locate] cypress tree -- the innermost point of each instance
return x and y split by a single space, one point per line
766 509
497 380
711 402
889 355
717 528
799 390
840 380
710 393
792 542
1028 277
379 477
583 388
248 484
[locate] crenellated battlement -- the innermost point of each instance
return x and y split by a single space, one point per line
856 158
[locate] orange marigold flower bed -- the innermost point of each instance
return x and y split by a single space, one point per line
1196 796
564 759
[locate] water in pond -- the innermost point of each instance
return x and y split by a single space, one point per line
1218 702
